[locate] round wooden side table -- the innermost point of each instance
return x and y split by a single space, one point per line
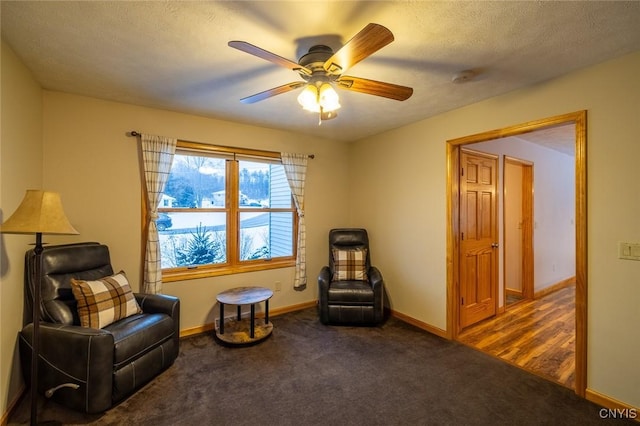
245 331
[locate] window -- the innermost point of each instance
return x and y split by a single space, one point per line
225 211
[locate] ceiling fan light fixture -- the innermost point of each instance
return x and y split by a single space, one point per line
316 99
308 98
328 98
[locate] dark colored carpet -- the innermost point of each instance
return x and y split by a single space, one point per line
310 374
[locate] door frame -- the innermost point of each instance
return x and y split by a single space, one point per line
579 119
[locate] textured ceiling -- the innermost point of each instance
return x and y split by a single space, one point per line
561 138
174 55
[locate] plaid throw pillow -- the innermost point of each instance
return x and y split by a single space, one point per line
349 265
104 301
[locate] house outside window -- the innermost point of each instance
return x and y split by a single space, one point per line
227 211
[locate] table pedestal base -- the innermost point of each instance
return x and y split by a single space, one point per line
238 333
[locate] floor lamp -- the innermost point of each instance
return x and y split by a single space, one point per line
39 213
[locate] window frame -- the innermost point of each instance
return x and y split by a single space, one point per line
233 209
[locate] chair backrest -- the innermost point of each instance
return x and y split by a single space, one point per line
60 263
348 238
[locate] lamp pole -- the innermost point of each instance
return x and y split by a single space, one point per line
35 344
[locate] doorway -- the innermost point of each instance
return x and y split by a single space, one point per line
517 231
454 146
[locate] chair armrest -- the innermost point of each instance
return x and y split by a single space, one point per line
324 279
57 341
377 284
375 278
72 354
162 304
159 304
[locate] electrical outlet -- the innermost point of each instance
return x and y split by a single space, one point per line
278 286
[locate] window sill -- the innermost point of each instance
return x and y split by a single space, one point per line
204 272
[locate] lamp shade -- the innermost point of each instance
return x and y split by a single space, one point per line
40 212
308 98
328 98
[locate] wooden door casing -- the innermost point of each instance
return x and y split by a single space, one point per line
454 146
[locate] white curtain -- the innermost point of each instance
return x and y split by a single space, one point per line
295 167
157 157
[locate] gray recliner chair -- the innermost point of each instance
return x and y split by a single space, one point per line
90 369
350 290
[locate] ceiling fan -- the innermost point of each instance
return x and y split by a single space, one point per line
321 68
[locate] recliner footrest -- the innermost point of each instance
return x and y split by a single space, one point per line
350 292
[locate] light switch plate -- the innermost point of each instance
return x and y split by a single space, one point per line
629 251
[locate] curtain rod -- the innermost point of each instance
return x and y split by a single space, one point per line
135 133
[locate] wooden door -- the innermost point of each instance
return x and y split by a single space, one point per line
513 235
478 237
518 229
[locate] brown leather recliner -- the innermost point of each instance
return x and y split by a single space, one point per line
350 301
90 369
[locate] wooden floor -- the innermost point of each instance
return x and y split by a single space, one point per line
537 335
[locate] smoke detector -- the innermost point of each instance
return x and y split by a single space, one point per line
463 76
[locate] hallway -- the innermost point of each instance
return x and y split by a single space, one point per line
537 335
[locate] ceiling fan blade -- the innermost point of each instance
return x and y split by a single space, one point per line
272 92
377 88
370 39
272 57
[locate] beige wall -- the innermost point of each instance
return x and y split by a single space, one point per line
402 173
20 169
